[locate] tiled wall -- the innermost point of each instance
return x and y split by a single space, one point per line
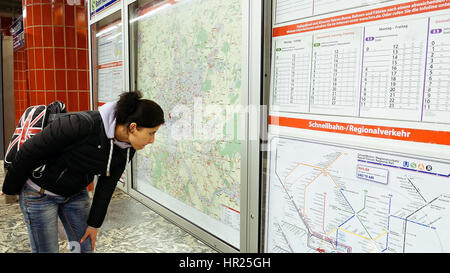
56 54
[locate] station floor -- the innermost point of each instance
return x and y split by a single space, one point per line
129 227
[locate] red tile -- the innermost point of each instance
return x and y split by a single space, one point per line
71 58
72 100
49 80
28 98
24 85
28 21
40 96
47 36
70 37
58 36
81 38
31 80
72 80
61 96
81 17
49 97
60 58
37 36
82 59
83 80
30 58
84 101
33 99
61 80
48 58
19 86
40 80
39 58
58 13
69 15
47 15
37 17
29 40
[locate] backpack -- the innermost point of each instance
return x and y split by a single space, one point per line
33 120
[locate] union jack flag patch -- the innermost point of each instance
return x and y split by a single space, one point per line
31 123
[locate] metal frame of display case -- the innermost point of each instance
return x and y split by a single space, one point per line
265 94
250 149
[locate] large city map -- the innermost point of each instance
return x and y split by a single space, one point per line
329 198
189 62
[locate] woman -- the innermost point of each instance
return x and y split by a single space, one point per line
74 148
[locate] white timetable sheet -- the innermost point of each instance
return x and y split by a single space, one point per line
393 70
436 106
335 77
362 66
292 73
110 62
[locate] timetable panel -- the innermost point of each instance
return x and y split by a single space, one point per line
436 102
335 73
360 65
393 70
292 74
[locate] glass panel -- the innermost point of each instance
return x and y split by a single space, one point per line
347 170
107 59
187 56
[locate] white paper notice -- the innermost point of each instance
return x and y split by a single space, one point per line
436 104
393 70
335 72
110 76
292 74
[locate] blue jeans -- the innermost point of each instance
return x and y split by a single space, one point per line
41 213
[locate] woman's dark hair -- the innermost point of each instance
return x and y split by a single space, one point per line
131 107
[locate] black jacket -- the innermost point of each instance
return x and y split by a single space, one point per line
74 150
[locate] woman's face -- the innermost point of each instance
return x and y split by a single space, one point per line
139 137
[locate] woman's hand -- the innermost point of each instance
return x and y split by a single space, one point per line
91 233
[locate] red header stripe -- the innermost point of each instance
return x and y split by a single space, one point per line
404 134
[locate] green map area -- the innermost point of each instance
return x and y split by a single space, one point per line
190 55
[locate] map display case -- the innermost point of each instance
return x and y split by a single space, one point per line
108 65
192 66
107 59
201 61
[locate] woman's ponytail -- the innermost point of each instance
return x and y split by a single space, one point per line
127 105
131 107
